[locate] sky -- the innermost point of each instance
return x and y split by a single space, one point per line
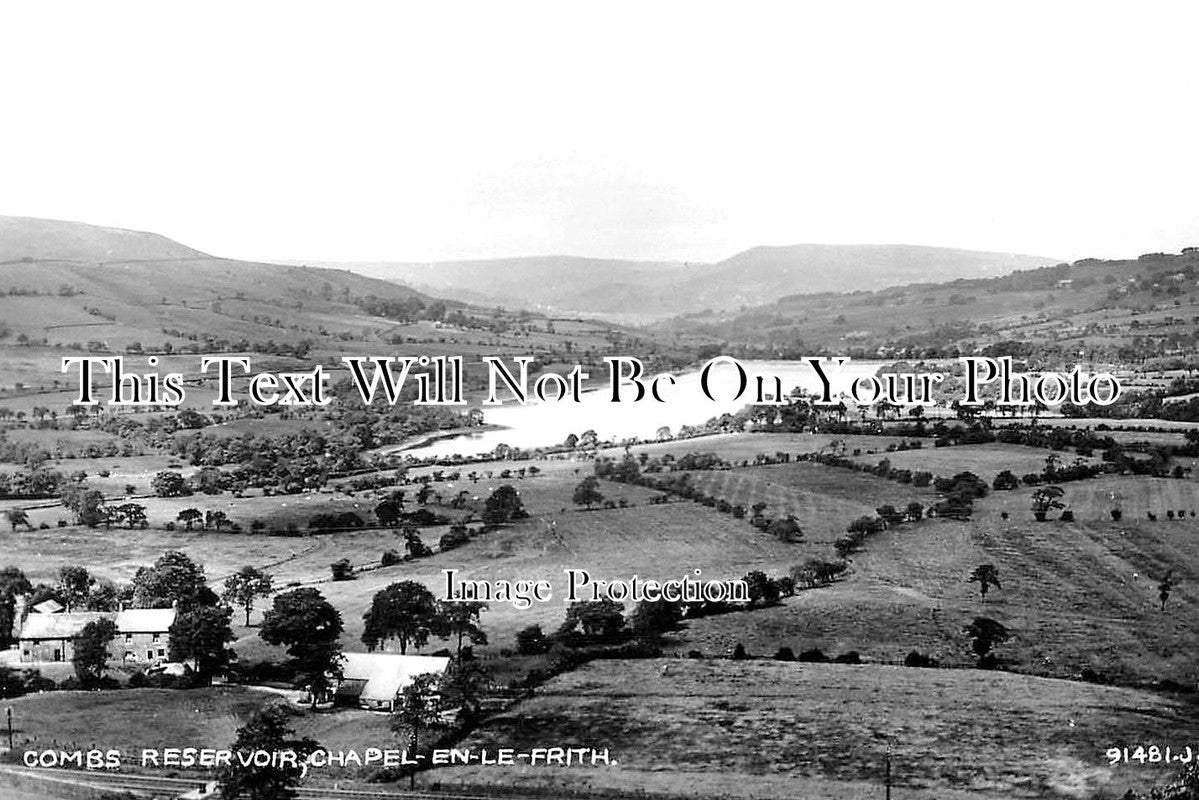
674 131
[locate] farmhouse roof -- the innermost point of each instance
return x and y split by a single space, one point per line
58 626
68 626
385 675
50 606
145 620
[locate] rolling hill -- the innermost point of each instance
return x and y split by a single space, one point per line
649 289
64 282
32 239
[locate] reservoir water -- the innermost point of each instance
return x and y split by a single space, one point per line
546 424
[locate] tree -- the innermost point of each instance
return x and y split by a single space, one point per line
88 504
91 650
12 583
245 585
651 618
587 493
503 505
1164 588
267 731
531 641
1044 499
74 584
460 620
404 611
305 623
986 633
200 635
174 578
415 546
169 484
985 575
416 710
18 517
189 517
599 619
1005 481
342 570
466 681
134 514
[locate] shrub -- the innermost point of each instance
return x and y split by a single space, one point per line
849 657
1116 514
739 653
813 656
342 570
390 558
784 654
531 641
917 659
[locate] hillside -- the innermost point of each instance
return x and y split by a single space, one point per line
28 238
63 283
660 289
1125 310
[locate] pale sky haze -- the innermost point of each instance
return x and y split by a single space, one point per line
414 132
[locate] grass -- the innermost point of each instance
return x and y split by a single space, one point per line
132 719
1075 595
769 729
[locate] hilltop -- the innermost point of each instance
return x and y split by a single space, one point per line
31 239
657 289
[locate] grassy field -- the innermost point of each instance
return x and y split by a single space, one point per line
132 719
822 499
769 729
1075 595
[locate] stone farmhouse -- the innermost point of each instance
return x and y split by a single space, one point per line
48 635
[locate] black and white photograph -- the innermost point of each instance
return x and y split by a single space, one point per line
599 401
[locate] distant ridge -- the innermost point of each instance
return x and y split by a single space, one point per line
660 289
59 240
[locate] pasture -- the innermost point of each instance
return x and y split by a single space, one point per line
770 729
1076 595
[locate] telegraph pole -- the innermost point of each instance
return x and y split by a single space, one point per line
888 778
8 713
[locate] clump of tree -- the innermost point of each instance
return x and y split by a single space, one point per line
503 506
200 635
245 586
587 493
404 611
985 634
304 622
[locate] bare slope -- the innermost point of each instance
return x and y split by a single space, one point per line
41 239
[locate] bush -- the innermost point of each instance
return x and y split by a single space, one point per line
739 653
390 558
813 656
784 654
917 659
1116 514
849 657
342 570
531 641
